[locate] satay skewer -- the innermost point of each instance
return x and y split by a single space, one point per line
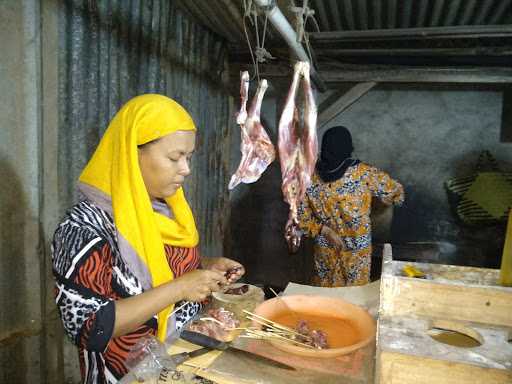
269 335
272 324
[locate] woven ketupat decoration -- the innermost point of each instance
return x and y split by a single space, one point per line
484 197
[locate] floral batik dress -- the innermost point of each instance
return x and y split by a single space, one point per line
345 205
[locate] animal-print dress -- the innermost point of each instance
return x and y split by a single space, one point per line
90 275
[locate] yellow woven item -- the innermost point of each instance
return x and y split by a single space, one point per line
491 191
114 169
484 197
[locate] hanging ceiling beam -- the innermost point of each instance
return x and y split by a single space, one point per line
335 73
414 33
329 112
472 51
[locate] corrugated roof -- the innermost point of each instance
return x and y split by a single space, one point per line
347 15
408 32
225 17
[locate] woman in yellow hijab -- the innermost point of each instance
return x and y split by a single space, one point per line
125 257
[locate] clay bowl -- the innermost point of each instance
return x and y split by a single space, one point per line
348 326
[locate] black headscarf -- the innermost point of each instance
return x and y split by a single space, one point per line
335 154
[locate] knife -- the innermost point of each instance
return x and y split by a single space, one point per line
180 358
209 342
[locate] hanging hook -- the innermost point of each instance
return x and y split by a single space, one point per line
259 54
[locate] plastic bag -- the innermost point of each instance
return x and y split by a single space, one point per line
147 360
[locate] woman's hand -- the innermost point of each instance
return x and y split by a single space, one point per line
229 268
197 285
331 235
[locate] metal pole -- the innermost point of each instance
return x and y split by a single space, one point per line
282 25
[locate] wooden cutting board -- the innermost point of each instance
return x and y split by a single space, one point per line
198 365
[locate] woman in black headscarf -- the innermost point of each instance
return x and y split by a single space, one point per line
336 211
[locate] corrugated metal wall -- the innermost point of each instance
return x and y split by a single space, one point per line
111 51
114 50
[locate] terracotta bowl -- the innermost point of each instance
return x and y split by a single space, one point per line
348 326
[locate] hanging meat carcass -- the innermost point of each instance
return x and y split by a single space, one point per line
310 139
289 148
297 154
257 149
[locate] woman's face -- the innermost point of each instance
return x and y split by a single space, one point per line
164 163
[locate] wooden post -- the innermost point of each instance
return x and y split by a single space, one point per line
506 116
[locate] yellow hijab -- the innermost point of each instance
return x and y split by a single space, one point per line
114 170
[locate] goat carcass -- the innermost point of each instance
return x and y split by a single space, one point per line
257 149
297 154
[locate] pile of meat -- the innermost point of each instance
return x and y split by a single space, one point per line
230 273
243 289
216 324
314 337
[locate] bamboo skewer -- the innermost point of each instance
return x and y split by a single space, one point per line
259 321
266 335
278 329
273 330
280 338
268 322
281 299
212 319
273 324
180 307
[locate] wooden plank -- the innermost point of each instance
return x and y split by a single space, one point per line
397 368
447 295
409 296
473 51
341 73
328 113
477 31
335 74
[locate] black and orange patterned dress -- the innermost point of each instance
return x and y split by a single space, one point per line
345 205
90 276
